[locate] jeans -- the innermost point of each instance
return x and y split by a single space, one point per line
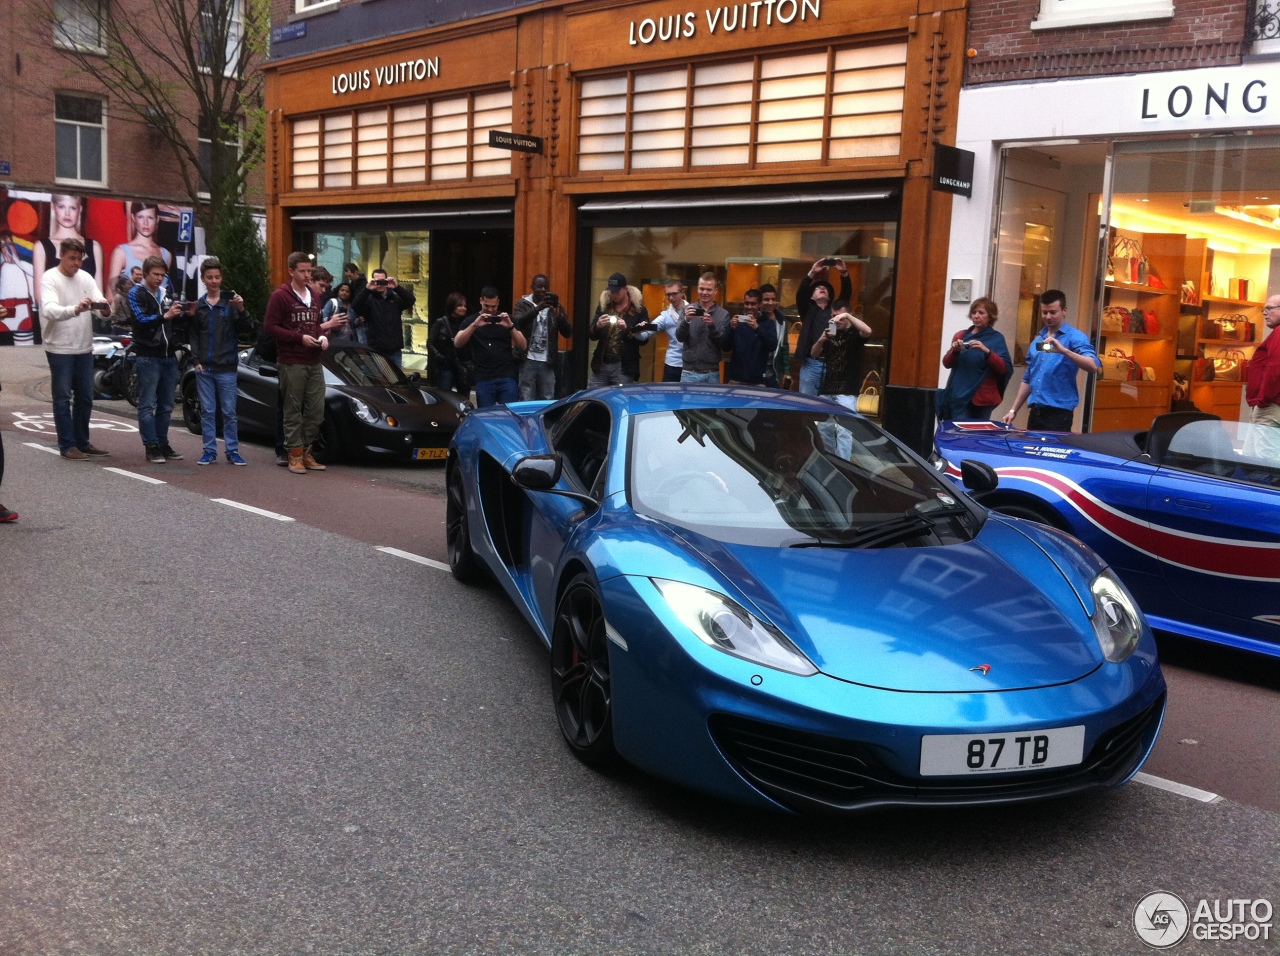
1047 418
445 378
72 374
537 380
496 391
690 377
157 378
812 372
217 392
610 373
671 373
302 395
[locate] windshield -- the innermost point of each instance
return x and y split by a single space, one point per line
781 478
361 367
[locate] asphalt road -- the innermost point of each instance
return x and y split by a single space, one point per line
225 733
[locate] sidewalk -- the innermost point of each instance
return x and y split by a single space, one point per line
24 375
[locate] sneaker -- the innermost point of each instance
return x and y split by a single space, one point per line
6 515
208 458
75 454
282 459
234 458
94 452
169 453
153 454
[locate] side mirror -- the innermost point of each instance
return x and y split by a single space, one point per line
978 476
537 472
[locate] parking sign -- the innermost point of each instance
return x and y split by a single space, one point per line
186 225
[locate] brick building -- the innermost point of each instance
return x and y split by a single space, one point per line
63 133
1124 153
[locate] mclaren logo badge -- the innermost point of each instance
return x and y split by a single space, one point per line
983 668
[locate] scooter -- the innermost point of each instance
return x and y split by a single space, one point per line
117 375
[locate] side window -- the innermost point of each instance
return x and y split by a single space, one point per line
580 434
1235 450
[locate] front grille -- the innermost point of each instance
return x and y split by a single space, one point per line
807 771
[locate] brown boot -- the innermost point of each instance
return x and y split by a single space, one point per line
296 461
310 463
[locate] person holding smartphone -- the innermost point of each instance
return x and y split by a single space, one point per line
840 344
380 305
704 333
155 344
980 367
813 304
752 341
490 336
216 326
1055 357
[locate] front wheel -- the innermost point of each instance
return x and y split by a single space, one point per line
191 406
325 448
581 691
462 560
127 379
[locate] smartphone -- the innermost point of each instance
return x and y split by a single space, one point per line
1046 346
189 307
831 328
699 311
830 261
228 294
103 308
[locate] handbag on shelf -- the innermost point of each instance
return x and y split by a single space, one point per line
1119 366
1210 329
1233 326
1137 322
869 394
1152 322
1126 260
1189 294
1115 319
1230 365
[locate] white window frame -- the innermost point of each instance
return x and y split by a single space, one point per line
63 40
235 36
1060 14
78 125
314 6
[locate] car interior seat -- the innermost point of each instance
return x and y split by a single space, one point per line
1165 426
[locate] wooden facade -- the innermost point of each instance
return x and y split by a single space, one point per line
543 54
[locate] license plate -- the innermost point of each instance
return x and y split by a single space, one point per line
420 454
957 754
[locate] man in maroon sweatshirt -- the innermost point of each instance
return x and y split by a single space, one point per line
293 320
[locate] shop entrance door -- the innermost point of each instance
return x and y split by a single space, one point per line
467 260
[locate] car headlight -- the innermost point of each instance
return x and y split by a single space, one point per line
722 623
363 411
1116 619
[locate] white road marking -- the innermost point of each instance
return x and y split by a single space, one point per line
39 447
1181 789
410 556
133 474
257 511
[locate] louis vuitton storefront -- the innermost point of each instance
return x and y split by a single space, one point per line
662 142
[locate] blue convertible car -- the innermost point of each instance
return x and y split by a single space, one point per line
767 598
1186 512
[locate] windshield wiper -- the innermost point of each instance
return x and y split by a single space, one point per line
889 531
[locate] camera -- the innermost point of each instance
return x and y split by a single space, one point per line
830 261
699 310
228 294
1046 346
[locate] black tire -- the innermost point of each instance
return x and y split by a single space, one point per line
191 405
100 389
127 379
1040 515
462 560
581 692
325 449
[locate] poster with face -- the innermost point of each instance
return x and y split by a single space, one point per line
118 236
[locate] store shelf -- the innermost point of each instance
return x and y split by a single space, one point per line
1140 384
1132 335
1226 342
1222 300
1141 289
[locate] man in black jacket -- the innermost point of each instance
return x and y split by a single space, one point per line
381 304
215 349
152 318
542 319
621 325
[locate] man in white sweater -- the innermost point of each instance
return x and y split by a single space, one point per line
67 300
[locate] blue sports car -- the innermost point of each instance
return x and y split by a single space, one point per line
1187 512
767 598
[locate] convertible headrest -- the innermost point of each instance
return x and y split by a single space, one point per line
1164 427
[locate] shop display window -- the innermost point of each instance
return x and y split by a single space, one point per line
744 257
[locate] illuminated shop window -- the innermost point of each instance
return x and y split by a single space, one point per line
814 106
427 141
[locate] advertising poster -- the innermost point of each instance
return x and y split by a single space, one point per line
118 235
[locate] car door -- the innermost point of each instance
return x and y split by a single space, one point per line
1215 526
582 433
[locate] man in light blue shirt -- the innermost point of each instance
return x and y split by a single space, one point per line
1056 354
673 363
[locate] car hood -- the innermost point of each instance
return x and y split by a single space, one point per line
400 400
922 619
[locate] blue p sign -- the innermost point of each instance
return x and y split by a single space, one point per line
186 225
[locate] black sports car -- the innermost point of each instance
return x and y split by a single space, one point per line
372 409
